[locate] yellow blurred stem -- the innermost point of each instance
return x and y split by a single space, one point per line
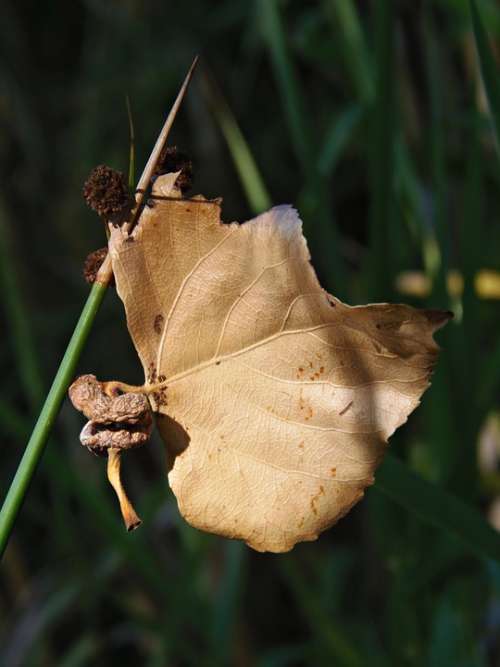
418 284
132 521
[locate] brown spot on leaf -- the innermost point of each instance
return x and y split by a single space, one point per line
344 410
309 413
333 472
158 323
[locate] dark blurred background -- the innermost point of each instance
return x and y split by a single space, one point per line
371 119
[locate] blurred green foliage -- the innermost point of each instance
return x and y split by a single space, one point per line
371 119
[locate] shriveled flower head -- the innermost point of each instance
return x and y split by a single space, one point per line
172 160
93 263
106 192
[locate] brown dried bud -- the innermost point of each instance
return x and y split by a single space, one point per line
105 406
172 160
107 193
93 263
99 438
118 421
121 421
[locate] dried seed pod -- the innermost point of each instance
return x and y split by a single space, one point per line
93 263
172 160
107 193
98 438
100 404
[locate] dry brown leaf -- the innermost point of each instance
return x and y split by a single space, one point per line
275 399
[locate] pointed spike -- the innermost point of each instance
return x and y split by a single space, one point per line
162 137
106 271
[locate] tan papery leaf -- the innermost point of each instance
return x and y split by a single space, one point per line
275 399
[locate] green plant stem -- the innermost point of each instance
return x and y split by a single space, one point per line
489 71
246 168
43 426
131 156
274 33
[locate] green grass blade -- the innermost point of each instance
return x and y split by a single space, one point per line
489 71
337 138
11 421
131 156
19 327
226 607
43 426
348 30
294 104
380 276
246 167
336 646
437 507
437 155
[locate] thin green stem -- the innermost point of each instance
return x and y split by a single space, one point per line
274 33
489 71
246 167
45 422
131 156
